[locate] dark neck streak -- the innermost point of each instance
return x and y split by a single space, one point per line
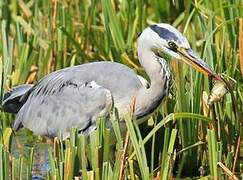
147 100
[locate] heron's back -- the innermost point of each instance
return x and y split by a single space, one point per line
119 79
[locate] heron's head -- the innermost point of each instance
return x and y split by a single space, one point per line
166 41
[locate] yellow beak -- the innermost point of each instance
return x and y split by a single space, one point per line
189 57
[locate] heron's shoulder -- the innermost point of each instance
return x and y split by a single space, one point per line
104 64
87 68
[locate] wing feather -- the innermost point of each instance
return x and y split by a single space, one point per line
54 109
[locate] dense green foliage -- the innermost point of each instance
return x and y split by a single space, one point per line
40 36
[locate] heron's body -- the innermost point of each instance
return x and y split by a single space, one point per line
62 95
77 96
120 78
65 98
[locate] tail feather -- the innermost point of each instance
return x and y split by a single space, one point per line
13 101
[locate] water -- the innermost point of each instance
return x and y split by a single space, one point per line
21 144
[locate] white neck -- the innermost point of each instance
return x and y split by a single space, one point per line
147 100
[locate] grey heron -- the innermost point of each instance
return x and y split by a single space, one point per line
76 96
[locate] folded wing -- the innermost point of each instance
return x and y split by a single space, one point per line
53 111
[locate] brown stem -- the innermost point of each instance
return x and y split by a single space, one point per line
236 154
227 171
123 157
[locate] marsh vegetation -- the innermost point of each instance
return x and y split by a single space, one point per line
183 139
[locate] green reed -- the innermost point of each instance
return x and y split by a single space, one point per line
38 37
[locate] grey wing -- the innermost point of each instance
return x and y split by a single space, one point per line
72 105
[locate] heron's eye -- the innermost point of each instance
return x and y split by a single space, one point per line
172 45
